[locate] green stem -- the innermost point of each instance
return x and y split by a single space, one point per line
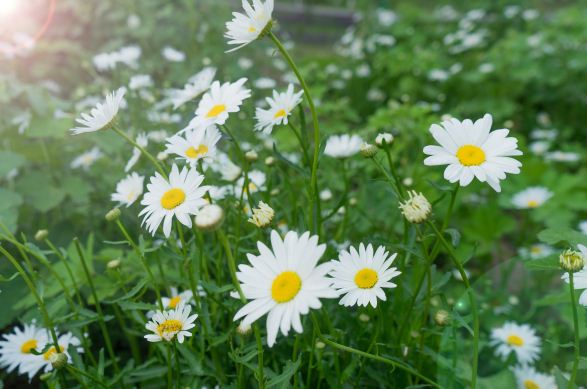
74 369
314 197
177 366
142 149
576 330
398 183
302 145
67 268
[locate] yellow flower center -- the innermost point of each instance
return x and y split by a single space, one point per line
174 301
216 110
252 29
471 155
172 198
279 114
529 384
28 346
532 204
535 249
515 340
51 351
286 286
366 278
171 326
195 153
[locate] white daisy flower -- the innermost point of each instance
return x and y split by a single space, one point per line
362 275
158 136
140 81
343 146
166 325
472 150
33 365
142 140
129 55
521 339
86 159
227 169
583 226
245 28
129 189
196 85
195 144
580 277
218 102
280 107
181 196
285 282
172 55
528 378
15 347
256 182
102 116
532 197
105 61
535 251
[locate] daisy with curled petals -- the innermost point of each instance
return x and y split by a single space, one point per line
142 140
532 197
218 102
285 282
245 28
175 323
343 146
362 275
195 86
15 347
181 196
471 149
520 339
280 107
528 378
102 116
580 277
129 189
194 144
45 361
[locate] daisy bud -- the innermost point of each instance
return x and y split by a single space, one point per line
113 215
162 156
441 317
41 235
262 216
364 318
416 208
571 260
114 264
408 181
243 329
383 139
320 345
251 156
274 192
326 195
269 161
368 150
353 201
210 217
58 360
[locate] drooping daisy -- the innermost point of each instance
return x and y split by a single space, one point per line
472 150
532 197
167 325
343 146
196 85
102 116
218 102
256 182
245 28
580 277
284 281
280 107
86 159
181 196
15 347
32 365
528 378
142 140
129 189
362 275
195 144
521 339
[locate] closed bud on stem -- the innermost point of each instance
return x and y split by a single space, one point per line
58 360
210 217
571 260
368 150
441 317
41 235
269 161
251 156
113 215
383 139
113 264
243 328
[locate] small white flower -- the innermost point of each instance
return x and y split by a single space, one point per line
532 197
196 85
102 116
86 159
562 156
172 55
167 325
194 144
264 83
223 165
140 81
142 140
280 107
343 146
361 275
129 189
209 217
528 378
536 251
245 28
256 182
262 216
520 339
583 227
383 139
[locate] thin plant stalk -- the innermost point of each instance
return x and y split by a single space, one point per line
142 150
575 329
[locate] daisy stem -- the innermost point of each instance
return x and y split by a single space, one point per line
472 301
245 170
391 180
169 369
576 330
398 183
177 366
302 145
101 322
142 149
67 268
314 197
388 361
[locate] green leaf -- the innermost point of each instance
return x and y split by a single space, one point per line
133 292
554 236
39 191
288 371
9 161
547 263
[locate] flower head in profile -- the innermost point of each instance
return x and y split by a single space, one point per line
175 323
102 116
528 378
416 208
361 275
219 102
285 282
262 216
15 347
520 339
194 144
141 140
196 85
87 159
343 146
580 277
129 189
532 197
245 28
471 149
180 196
46 360
256 183
280 107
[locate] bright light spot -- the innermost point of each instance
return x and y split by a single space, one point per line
7 7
